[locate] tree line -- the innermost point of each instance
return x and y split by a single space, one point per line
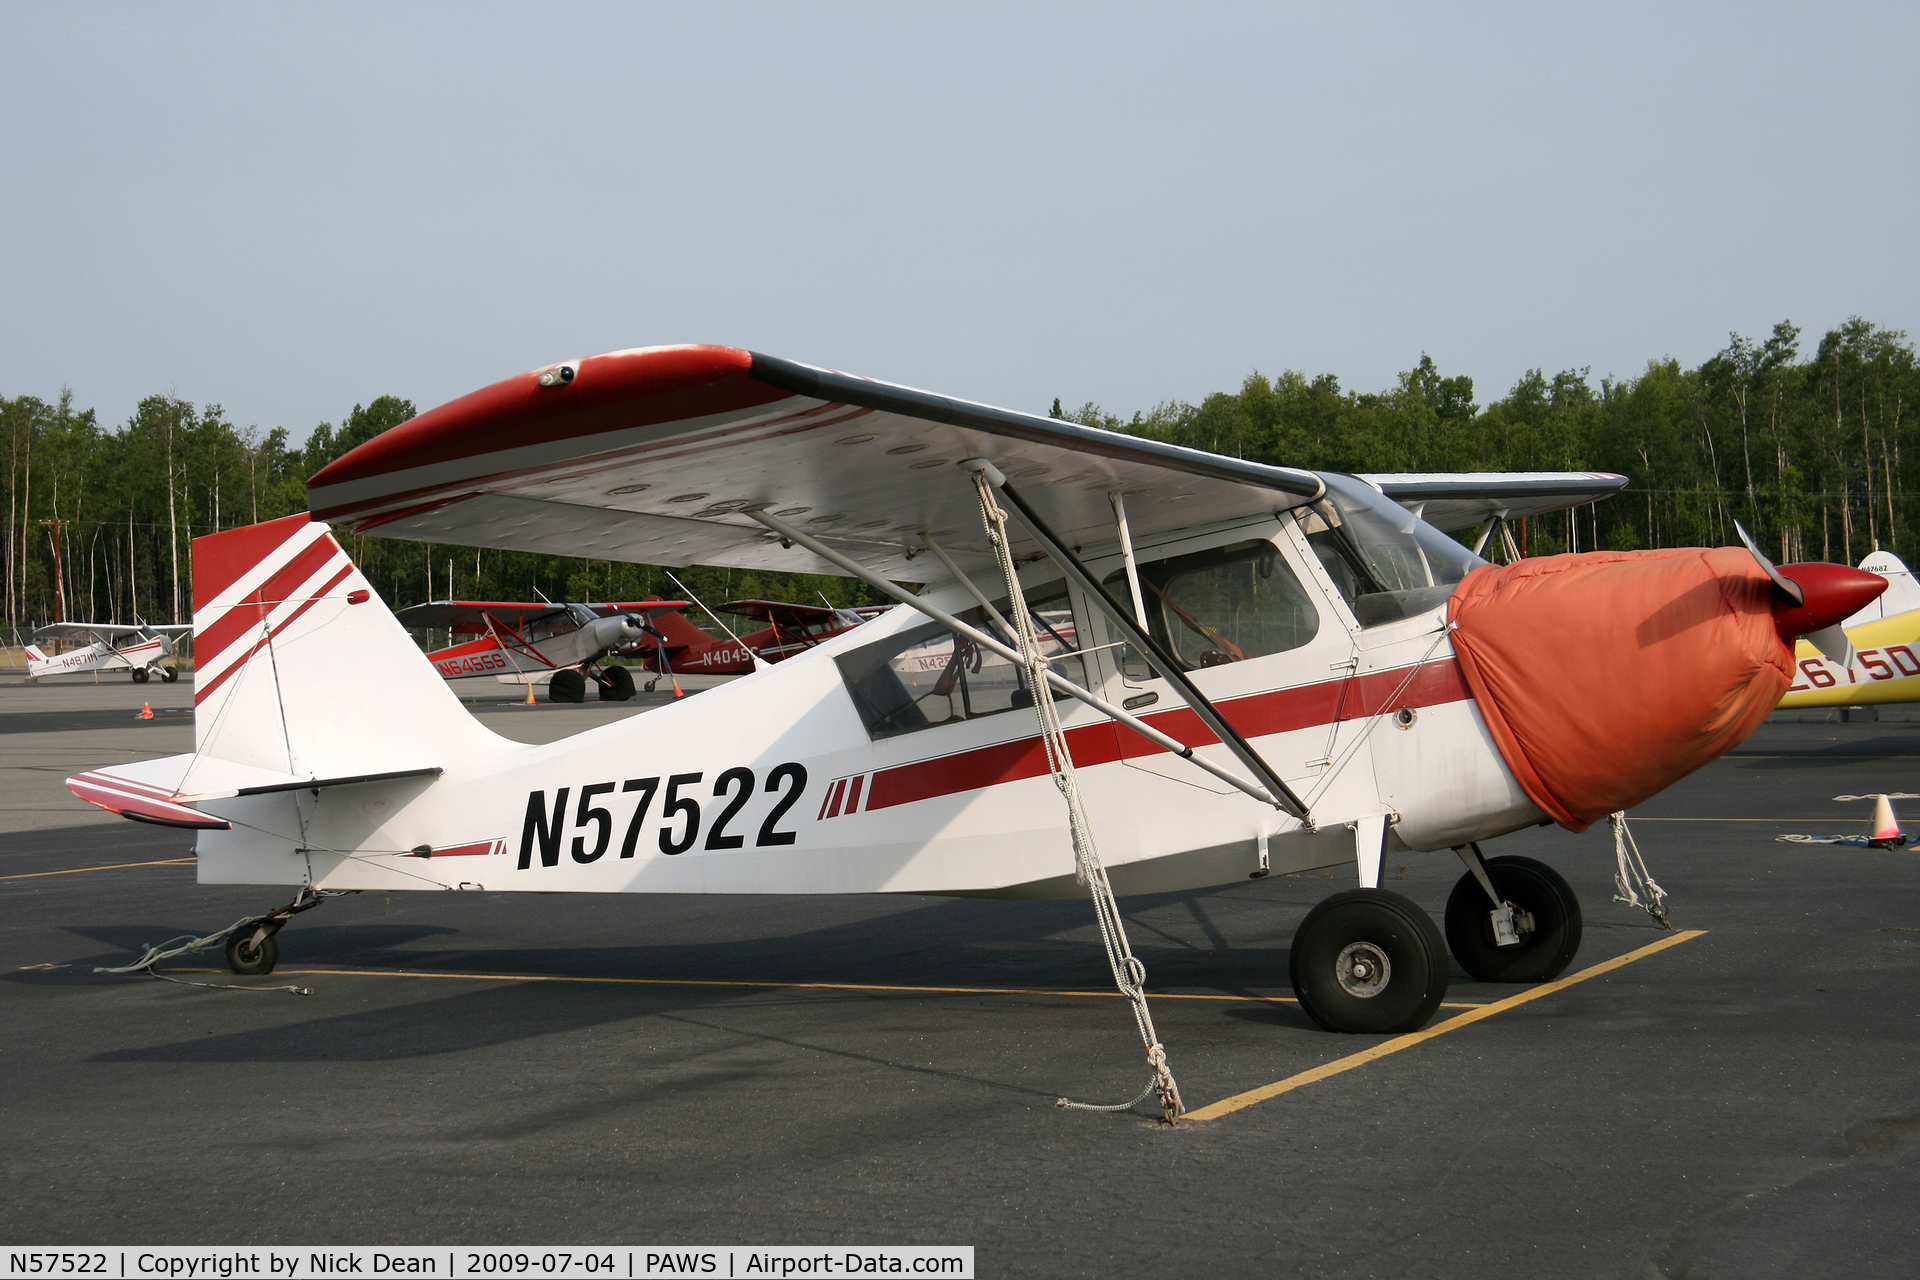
1805 448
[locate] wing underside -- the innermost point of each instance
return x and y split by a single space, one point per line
656 455
652 455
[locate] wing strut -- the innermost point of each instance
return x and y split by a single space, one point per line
1058 682
1165 663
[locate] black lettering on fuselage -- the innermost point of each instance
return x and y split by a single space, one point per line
546 829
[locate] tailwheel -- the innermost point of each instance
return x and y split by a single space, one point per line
244 956
649 685
616 684
1369 961
567 686
1546 918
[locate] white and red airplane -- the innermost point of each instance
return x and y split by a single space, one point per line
1270 670
140 649
562 643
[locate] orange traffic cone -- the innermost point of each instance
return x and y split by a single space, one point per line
1886 832
677 692
529 693
146 711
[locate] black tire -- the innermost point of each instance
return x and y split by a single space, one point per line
1533 887
567 686
169 675
1348 937
616 684
243 957
139 675
651 683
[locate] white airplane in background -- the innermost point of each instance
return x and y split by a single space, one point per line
521 640
1270 670
139 649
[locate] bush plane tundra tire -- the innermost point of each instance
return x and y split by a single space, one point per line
616 684
1369 961
243 957
567 686
1533 887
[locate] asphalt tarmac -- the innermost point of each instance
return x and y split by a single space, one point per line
496 1069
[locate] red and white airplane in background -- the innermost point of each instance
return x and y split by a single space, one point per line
140 649
562 643
789 629
1271 670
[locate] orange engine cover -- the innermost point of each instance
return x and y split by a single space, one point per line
1607 676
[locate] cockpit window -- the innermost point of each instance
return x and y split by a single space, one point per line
1387 562
927 675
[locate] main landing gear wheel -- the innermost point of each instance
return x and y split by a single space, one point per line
139 675
616 684
169 674
567 686
245 958
1369 961
1535 889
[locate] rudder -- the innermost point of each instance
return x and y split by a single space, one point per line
300 667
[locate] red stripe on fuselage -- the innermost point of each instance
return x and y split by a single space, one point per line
1255 716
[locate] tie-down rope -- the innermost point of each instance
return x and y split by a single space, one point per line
1129 975
1630 878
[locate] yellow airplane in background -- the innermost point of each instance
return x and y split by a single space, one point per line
1886 641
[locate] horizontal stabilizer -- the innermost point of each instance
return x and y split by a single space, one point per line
160 791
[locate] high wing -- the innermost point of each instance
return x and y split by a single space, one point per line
651 455
469 617
786 615
108 631
1460 500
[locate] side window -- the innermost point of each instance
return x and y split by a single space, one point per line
1225 605
927 675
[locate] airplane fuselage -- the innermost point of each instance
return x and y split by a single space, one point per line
789 781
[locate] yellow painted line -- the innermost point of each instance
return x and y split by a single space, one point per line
117 866
803 986
1239 1101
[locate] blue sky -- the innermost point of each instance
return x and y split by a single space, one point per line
290 209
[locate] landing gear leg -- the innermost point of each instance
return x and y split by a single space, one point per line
1533 931
252 949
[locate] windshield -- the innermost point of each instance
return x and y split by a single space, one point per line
1387 562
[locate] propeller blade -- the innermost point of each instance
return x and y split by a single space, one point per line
1833 642
1787 585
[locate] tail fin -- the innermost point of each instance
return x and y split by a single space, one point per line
673 624
300 668
34 655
